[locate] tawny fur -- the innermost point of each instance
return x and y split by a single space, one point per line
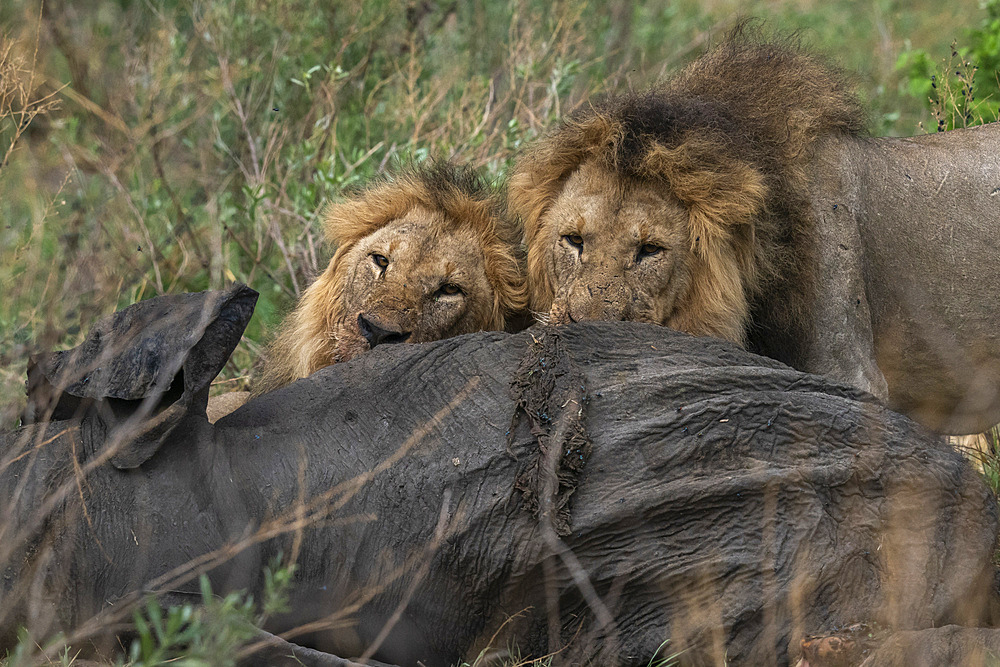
307 340
729 138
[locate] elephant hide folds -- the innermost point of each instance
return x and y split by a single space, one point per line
597 489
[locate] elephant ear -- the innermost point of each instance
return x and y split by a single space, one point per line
144 369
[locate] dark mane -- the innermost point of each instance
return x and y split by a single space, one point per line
730 137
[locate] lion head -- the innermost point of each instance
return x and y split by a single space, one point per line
680 205
421 256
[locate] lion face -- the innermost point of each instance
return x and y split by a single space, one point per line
627 220
415 280
616 250
422 255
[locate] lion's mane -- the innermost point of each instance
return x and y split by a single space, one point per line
306 341
729 136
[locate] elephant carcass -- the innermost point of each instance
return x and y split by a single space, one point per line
597 489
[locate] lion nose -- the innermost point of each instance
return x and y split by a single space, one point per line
377 335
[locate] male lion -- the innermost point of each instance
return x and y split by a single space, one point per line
422 256
741 200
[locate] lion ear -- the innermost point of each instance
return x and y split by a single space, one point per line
718 195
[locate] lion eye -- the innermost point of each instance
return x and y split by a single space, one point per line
648 249
450 289
575 240
381 261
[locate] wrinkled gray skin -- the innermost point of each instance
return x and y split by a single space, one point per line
909 286
704 495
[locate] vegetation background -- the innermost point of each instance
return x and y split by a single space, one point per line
153 146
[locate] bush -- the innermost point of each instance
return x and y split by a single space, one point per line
963 89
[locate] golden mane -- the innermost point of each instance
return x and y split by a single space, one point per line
307 339
728 137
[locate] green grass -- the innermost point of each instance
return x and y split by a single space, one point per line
962 88
209 633
181 145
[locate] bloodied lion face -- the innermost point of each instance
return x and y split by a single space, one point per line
423 256
647 232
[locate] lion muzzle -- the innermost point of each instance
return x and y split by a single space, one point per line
601 301
378 333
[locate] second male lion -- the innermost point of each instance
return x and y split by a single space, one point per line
742 200
421 256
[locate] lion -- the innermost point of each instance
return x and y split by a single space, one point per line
424 255
743 199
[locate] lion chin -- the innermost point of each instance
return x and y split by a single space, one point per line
350 344
421 256
742 200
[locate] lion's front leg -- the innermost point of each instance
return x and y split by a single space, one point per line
842 342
